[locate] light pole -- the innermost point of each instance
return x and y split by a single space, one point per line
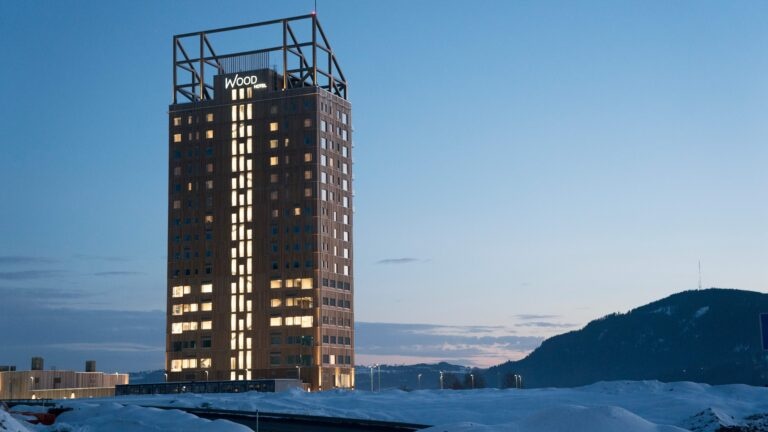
378 367
298 373
472 376
418 377
441 380
166 376
206 375
372 377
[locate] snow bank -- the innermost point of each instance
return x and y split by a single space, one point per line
10 424
627 406
111 416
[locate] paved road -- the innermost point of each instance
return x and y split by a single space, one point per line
275 422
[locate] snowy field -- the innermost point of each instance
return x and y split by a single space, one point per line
627 406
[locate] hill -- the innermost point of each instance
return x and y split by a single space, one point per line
709 336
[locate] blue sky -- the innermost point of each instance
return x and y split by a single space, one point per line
513 159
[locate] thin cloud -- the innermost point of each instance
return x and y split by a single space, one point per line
21 259
118 273
100 258
108 346
30 274
546 324
528 317
404 260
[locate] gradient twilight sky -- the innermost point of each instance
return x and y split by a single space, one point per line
521 167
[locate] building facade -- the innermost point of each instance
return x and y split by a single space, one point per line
39 383
260 257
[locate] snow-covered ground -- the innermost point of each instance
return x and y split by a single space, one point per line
627 406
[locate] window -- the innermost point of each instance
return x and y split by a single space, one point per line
307 157
205 363
209 117
273 143
206 307
307 175
273 127
275 322
209 133
177 121
176 138
274 160
209 168
176 204
307 123
176 328
206 288
297 211
344 118
209 184
276 302
177 171
206 325
175 365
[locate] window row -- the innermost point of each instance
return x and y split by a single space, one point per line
290 301
190 136
181 327
179 364
336 359
182 290
181 309
303 321
177 121
337 340
303 283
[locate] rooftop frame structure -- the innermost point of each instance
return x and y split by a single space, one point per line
195 61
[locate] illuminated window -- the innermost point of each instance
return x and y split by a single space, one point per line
177 310
176 137
307 175
307 157
205 307
273 127
276 302
177 121
206 325
276 283
273 144
275 213
209 133
209 168
209 184
205 363
208 218
177 171
274 160
297 211
307 192
175 365
307 123
209 117
176 328
176 204
275 322
206 288
306 321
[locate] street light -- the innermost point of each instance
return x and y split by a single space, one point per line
418 377
378 366
472 376
298 373
372 376
166 376
206 375
441 380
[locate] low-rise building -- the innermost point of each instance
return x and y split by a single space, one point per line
39 383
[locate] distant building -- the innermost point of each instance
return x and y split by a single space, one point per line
260 270
39 383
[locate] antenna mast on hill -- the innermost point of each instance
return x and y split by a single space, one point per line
699 274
